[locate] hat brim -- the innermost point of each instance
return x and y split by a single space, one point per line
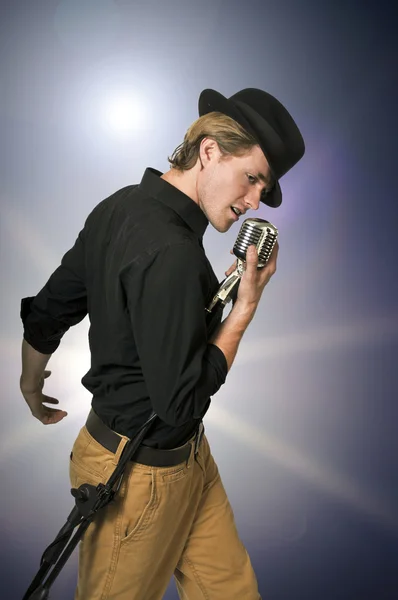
212 101
274 197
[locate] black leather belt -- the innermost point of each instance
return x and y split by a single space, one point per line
145 455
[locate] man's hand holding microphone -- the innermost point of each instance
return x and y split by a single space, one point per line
251 287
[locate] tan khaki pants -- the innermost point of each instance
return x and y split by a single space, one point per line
163 521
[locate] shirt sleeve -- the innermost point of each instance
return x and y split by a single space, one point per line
61 303
166 296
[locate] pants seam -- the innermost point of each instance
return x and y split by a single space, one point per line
197 578
116 548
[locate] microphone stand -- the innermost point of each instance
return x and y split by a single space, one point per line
88 499
228 289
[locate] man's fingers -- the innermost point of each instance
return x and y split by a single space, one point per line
50 400
231 268
52 415
49 410
273 258
46 414
56 417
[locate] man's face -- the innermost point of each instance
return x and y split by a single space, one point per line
231 181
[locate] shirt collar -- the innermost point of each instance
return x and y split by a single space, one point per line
182 204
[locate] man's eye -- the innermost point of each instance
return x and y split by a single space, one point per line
251 179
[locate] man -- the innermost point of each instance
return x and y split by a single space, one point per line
139 270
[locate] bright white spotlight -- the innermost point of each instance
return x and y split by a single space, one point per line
124 115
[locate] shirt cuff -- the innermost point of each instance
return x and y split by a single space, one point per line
217 358
42 346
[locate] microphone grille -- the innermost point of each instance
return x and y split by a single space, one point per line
259 232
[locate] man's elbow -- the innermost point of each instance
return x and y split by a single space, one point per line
183 410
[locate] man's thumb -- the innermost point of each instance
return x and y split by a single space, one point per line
251 253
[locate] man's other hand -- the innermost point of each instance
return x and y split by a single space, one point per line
35 399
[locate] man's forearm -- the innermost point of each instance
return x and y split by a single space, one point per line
33 365
231 330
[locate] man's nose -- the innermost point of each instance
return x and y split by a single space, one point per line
253 199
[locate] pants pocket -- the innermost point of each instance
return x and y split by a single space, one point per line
89 462
139 503
172 474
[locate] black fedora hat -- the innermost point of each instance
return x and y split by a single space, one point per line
269 122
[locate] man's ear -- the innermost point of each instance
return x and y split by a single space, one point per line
209 150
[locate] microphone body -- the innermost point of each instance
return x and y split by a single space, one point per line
258 232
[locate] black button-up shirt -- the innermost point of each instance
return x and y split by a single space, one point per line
139 270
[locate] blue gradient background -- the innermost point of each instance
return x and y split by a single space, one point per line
304 430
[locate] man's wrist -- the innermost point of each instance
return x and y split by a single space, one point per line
33 367
29 385
243 310
229 334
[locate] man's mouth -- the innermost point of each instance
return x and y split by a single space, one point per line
236 211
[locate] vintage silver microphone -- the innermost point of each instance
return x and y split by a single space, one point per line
263 235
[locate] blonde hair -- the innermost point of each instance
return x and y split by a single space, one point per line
231 138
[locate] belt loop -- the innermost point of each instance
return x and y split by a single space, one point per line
198 438
195 443
120 448
190 456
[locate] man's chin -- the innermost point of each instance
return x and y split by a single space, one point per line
221 228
